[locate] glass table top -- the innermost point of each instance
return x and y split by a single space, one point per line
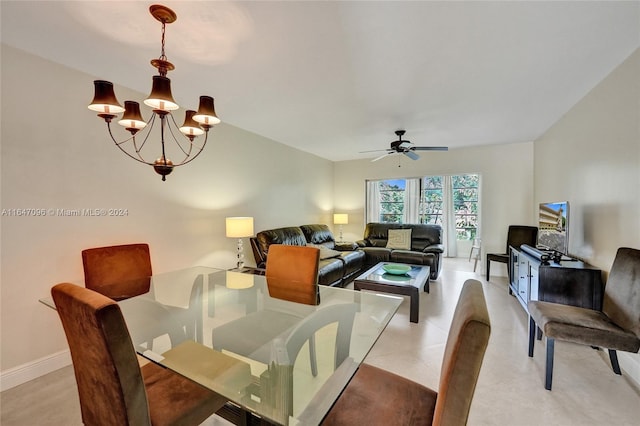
225 331
416 276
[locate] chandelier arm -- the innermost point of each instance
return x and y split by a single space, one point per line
175 139
184 138
140 160
144 141
198 153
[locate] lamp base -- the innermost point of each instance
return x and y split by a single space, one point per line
240 255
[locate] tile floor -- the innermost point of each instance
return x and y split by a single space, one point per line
510 390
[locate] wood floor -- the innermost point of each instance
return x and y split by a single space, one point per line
510 390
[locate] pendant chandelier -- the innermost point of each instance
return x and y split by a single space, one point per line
162 102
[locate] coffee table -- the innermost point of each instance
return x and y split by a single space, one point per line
376 279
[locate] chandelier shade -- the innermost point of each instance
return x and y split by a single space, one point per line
190 127
206 114
176 144
104 99
160 97
132 119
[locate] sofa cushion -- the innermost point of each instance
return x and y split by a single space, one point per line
325 252
377 234
318 234
291 235
330 271
399 239
376 254
414 257
424 236
353 261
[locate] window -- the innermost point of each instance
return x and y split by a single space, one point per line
432 201
465 205
390 201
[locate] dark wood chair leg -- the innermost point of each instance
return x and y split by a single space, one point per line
613 357
532 333
539 335
549 368
488 262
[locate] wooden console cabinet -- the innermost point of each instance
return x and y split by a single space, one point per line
570 282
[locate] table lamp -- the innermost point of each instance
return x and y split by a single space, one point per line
239 227
340 219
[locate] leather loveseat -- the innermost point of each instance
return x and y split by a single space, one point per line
339 263
425 247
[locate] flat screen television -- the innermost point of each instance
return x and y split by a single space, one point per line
553 226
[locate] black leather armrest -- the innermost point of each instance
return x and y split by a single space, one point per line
346 246
434 248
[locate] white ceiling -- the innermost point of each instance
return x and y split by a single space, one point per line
335 78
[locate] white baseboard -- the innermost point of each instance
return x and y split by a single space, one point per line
32 370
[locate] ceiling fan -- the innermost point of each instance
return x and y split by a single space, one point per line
405 147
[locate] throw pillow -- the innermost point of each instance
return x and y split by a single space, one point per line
399 239
325 252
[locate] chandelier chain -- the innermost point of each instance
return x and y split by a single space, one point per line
163 57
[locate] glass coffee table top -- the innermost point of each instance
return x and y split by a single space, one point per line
417 276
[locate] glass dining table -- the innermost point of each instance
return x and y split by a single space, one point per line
281 361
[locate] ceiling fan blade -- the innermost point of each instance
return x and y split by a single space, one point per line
411 155
430 148
374 150
384 155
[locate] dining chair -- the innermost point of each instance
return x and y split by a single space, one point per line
516 236
285 350
118 272
378 397
616 327
113 388
291 274
124 271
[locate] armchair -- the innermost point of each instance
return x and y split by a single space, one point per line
616 327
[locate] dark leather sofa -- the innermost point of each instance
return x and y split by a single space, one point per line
426 246
339 263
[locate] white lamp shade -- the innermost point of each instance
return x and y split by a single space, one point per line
340 219
239 227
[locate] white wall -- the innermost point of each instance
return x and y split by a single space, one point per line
506 197
591 157
57 154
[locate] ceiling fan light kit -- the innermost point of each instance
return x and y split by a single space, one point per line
161 101
405 147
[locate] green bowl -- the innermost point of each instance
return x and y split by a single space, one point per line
396 269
